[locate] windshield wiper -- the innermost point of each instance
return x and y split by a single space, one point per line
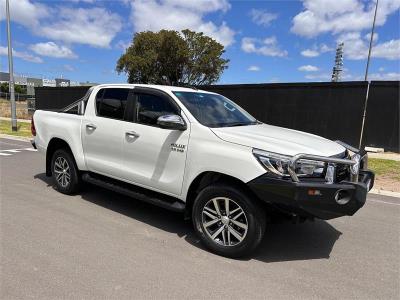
239 124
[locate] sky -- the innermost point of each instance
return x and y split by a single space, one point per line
265 41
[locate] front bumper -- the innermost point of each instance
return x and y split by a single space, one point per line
314 199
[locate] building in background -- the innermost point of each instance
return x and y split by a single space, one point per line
4 77
29 83
32 83
20 80
62 82
49 82
87 83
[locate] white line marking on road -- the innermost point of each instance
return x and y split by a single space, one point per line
385 202
8 152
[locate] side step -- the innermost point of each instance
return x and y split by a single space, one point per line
136 192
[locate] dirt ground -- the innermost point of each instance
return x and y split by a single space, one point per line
22 109
387 183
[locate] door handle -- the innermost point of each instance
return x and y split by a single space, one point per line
132 134
91 126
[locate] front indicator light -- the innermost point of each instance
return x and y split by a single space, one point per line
312 192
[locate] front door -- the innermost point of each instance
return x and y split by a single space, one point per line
103 131
152 156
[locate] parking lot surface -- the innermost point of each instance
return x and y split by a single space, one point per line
99 244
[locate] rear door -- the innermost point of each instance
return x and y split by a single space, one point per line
152 156
103 131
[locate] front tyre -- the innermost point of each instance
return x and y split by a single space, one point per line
228 220
65 173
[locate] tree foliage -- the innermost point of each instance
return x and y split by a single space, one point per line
173 58
19 89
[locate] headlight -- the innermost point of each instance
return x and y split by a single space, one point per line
278 164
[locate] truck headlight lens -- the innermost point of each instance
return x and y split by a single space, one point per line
275 163
278 164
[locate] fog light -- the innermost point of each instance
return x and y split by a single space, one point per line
342 197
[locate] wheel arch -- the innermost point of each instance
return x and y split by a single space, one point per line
55 144
205 179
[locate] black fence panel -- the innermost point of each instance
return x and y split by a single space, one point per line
382 122
331 110
55 98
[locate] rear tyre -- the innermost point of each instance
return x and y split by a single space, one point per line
65 172
228 221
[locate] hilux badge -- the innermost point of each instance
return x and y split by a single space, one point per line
178 147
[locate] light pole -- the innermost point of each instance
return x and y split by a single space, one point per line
11 72
366 75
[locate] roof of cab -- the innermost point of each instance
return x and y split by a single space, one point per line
166 88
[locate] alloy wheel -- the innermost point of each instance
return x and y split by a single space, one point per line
224 221
62 171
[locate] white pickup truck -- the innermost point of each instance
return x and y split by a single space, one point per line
199 153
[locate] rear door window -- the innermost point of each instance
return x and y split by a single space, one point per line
111 103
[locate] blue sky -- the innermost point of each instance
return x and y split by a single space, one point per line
266 41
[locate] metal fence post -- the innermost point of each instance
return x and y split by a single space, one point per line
11 71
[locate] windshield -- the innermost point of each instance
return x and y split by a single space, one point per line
213 110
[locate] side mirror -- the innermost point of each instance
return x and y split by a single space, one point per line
173 122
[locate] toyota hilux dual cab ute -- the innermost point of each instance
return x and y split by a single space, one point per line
199 153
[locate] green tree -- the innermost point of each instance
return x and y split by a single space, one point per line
173 58
19 89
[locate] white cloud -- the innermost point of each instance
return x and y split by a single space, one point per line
380 75
319 77
84 1
268 47
93 26
321 16
316 50
155 15
368 36
384 76
51 49
202 6
274 80
355 47
309 53
253 68
24 12
308 68
262 17
22 55
325 48
389 50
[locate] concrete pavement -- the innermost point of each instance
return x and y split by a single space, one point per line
100 244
